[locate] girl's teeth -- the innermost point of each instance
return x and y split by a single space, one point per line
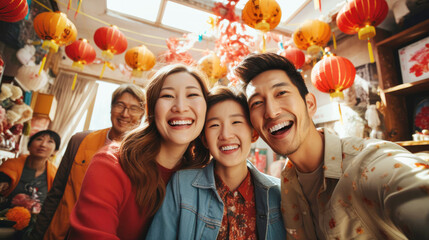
226 148
181 122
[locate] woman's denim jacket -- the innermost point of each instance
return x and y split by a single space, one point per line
192 208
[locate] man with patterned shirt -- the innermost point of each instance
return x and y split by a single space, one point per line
229 198
333 188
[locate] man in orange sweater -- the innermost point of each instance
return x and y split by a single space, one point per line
127 110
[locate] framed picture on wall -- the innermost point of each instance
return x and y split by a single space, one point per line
414 61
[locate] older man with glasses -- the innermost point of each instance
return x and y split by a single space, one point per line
127 110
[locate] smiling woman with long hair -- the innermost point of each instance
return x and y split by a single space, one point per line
125 185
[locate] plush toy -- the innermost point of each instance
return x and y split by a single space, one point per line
10 91
19 113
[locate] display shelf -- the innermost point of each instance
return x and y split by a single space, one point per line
414 146
409 88
394 93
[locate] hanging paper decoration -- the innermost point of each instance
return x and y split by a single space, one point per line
263 15
13 10
55 29
212 66
332 75
294 55
111 41
312 35
225 11
361 16
82 53
140 59
178 50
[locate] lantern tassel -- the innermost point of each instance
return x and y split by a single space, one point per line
42 65
264 43
69 5
341 115
78 8
104 68
334 40
371 56
74 81
318 5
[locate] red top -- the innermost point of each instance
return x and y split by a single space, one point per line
239 212
106 208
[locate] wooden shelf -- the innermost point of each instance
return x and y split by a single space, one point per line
405 36
414 146
409 88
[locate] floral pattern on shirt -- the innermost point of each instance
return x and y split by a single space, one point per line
239 212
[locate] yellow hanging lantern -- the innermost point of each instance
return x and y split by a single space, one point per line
212 66
312 35
140 59
263 15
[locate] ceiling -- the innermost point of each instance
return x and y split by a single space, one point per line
94 14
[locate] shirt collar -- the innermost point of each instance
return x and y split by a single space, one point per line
245 189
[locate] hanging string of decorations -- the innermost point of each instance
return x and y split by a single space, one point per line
263 15
82 53
362 16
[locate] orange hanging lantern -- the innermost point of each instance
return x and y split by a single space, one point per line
140 59
332 75
13 10
82 53
263 15
111 41
361 16
312 35
294 55
55 29
212 66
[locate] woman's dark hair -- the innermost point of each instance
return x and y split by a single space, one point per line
255 64
52 134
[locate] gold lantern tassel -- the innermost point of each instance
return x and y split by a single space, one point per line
371 56
104 68
264 43
42 65
341 115
334 40
74 81
69 5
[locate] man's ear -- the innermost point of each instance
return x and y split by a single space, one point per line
311 103
255 135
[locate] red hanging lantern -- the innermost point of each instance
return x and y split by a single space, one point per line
294 55
361 16
82 53
13 10
332 75
111 41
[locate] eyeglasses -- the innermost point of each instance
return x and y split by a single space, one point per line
120 107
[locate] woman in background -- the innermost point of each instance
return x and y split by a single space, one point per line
124 186
27 179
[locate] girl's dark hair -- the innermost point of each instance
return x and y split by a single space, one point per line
52 134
